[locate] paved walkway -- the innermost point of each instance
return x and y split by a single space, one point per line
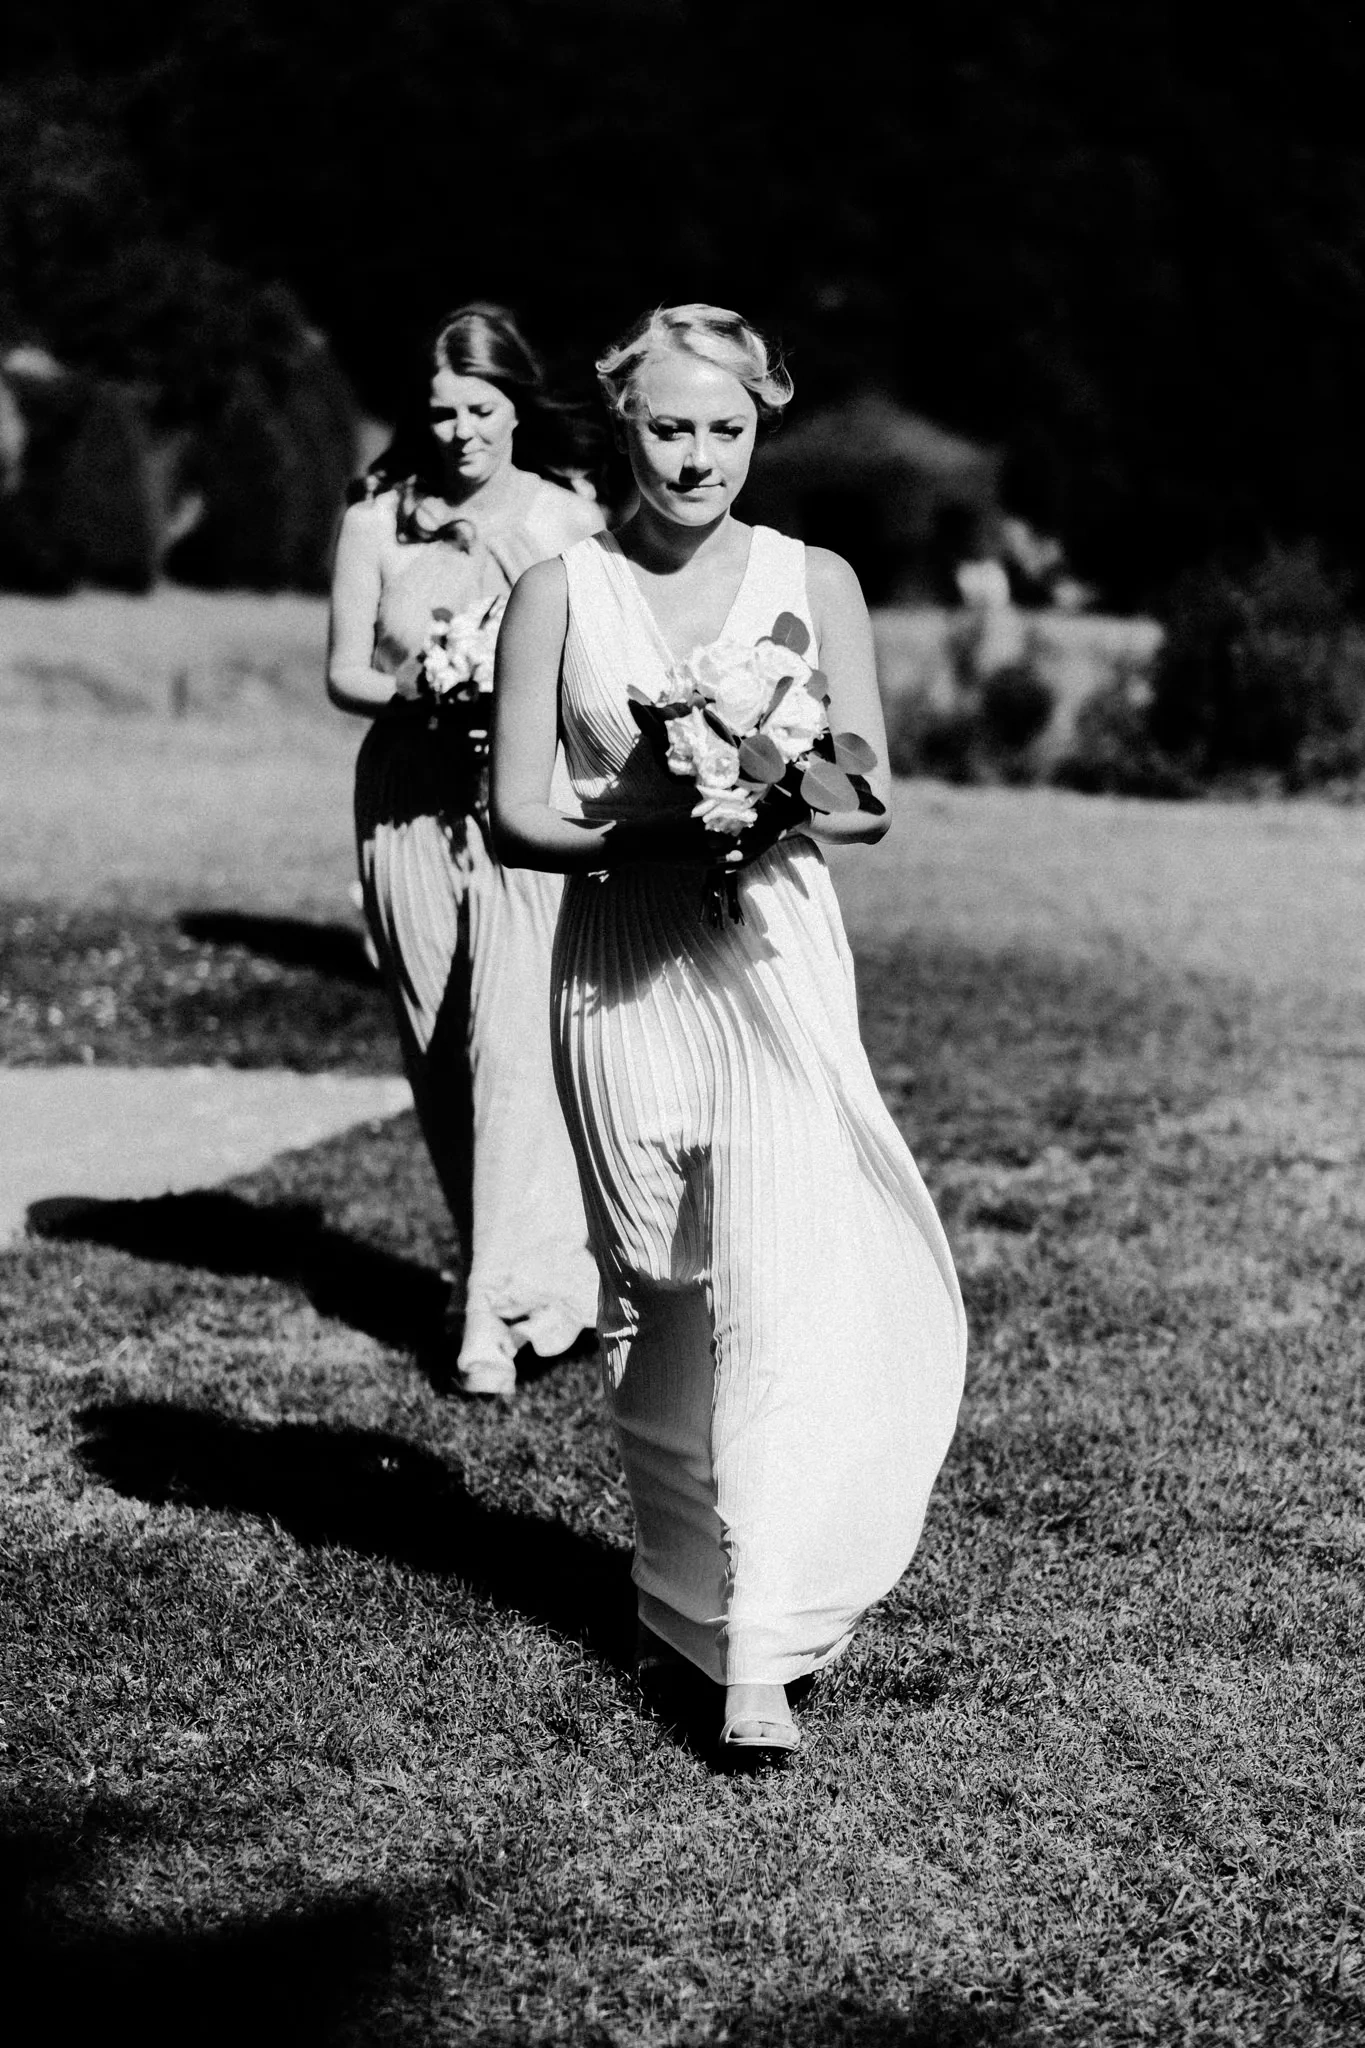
131 1131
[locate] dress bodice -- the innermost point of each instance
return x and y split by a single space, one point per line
613 638
483 562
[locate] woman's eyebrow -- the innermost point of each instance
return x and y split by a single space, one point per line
677 419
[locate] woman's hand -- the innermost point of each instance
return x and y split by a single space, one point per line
407 679
678 841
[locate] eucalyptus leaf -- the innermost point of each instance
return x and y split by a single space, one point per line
873 805
779 693
826 788
853 754
761 759
788 631
817 682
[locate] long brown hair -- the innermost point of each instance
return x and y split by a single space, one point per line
554 437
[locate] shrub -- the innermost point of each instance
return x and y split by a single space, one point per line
107 514
1112 752
245 471
35 552
924 738
1016 708
1260 671
987 735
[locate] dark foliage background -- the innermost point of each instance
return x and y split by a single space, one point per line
1130 249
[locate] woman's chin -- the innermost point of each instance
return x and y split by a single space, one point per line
699 508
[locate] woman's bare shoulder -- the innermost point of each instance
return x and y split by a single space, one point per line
830 577
543 588
566 515
372 516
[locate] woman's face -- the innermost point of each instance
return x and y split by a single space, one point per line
472 423
690 437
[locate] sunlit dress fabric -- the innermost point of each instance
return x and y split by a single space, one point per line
784 1338
464 948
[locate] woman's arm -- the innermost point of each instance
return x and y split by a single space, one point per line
848 658
353 682
528 832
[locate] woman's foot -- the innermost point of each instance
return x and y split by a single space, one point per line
758 1726
487 1364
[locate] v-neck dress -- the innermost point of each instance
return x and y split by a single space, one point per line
784 1336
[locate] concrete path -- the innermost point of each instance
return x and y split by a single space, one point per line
115 1132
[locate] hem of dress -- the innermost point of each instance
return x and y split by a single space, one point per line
553 1325
701 1644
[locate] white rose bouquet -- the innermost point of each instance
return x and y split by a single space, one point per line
749 726
454 682
456 659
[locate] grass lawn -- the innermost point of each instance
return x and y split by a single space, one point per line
318 1719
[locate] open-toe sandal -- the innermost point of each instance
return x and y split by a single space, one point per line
753 1739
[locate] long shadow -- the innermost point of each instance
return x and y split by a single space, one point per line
334 950
375 1494
332 1971
307 1978
388 1297
932 2020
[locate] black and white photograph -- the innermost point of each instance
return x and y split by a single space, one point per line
682 1025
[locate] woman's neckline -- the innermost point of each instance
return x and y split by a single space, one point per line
651 618
510 499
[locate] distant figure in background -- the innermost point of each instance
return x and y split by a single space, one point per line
995 633
437 533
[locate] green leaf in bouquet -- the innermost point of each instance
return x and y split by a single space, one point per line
788 631
873 805
853 754
761 759
651 722
817 682
443 613
826 788
780 690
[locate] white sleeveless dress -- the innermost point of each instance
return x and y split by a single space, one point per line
784 1335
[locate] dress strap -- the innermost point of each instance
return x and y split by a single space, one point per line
776 583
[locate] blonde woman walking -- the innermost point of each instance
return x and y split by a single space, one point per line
784 1336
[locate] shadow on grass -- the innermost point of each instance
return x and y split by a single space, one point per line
374 1494
334 1970
336 951
301 1979
931 2021
393 1299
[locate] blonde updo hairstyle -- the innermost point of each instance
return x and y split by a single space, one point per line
710 332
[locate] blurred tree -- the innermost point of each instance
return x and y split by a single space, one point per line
192 362
1077 226
106 508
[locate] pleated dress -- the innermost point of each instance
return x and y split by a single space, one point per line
784 1338
464 948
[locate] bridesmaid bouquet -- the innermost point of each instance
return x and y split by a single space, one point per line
454 682
455 665
750 727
